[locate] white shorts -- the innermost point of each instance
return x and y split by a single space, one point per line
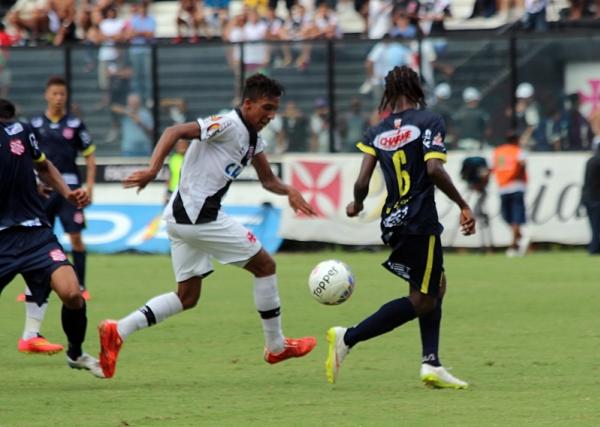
194 246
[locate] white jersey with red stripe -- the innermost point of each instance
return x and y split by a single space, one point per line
210 165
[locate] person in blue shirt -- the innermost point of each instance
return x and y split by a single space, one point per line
409 147
27 244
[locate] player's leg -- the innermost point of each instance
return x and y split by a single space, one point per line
268 304
31 340
74 319
73 222
231 243
191 265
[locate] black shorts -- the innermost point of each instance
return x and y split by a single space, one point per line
71 217
33 252
419 260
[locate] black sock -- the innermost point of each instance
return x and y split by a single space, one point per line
74 323
430 335
79 264
389 316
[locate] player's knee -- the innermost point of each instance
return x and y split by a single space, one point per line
72 299
423 304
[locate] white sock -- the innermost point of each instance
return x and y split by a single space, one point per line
34 316
155 311
266 299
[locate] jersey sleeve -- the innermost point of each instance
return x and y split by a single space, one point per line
213 128
86 145
366 145
433 140
260 145
36 154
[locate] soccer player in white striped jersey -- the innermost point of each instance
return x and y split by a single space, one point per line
199 230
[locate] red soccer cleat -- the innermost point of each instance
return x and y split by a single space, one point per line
21 297
292 348
39 345
110 344
86 294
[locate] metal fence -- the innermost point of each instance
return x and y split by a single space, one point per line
327 102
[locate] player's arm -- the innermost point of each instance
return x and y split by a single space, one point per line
165 144
272 183
361 186
48 173
440 178
90 177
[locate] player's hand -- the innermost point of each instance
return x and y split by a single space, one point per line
79 198
139 179
467 221
44 190
90 192
353 209
298 204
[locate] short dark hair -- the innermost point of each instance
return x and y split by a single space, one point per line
56 81
402 81
259 86
7 109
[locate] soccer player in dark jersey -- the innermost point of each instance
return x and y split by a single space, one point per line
409 146
27 244
61 136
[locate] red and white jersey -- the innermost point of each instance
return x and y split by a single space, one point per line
210 165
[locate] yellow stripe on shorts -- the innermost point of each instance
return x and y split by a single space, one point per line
428 265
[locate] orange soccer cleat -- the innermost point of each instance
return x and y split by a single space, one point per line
110 344
21 297
85 294
292 348
38 345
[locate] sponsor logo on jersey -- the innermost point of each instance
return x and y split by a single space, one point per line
57 255
68 133
17 147
251 237
85 137
215 118
74 122
394 139
427 138
37 122
233 170
14 129
213 129
438 140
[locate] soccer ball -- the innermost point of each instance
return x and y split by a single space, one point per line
331 282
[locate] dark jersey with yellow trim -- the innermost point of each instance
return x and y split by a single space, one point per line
20 204
61 141
402 143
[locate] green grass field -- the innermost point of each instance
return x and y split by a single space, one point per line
524 332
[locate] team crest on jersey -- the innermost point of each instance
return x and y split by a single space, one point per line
17 147
57 255
394 139
74 122
397 123
37 122
68 133
215 118
14 129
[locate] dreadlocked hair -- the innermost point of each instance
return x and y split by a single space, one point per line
402 81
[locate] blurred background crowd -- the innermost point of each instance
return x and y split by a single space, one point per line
116 39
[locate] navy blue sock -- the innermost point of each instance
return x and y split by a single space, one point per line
389 316
430 335
79 264
74 323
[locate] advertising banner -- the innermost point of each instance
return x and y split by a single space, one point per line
552 198
115 228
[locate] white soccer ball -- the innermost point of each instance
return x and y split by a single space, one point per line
331 282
